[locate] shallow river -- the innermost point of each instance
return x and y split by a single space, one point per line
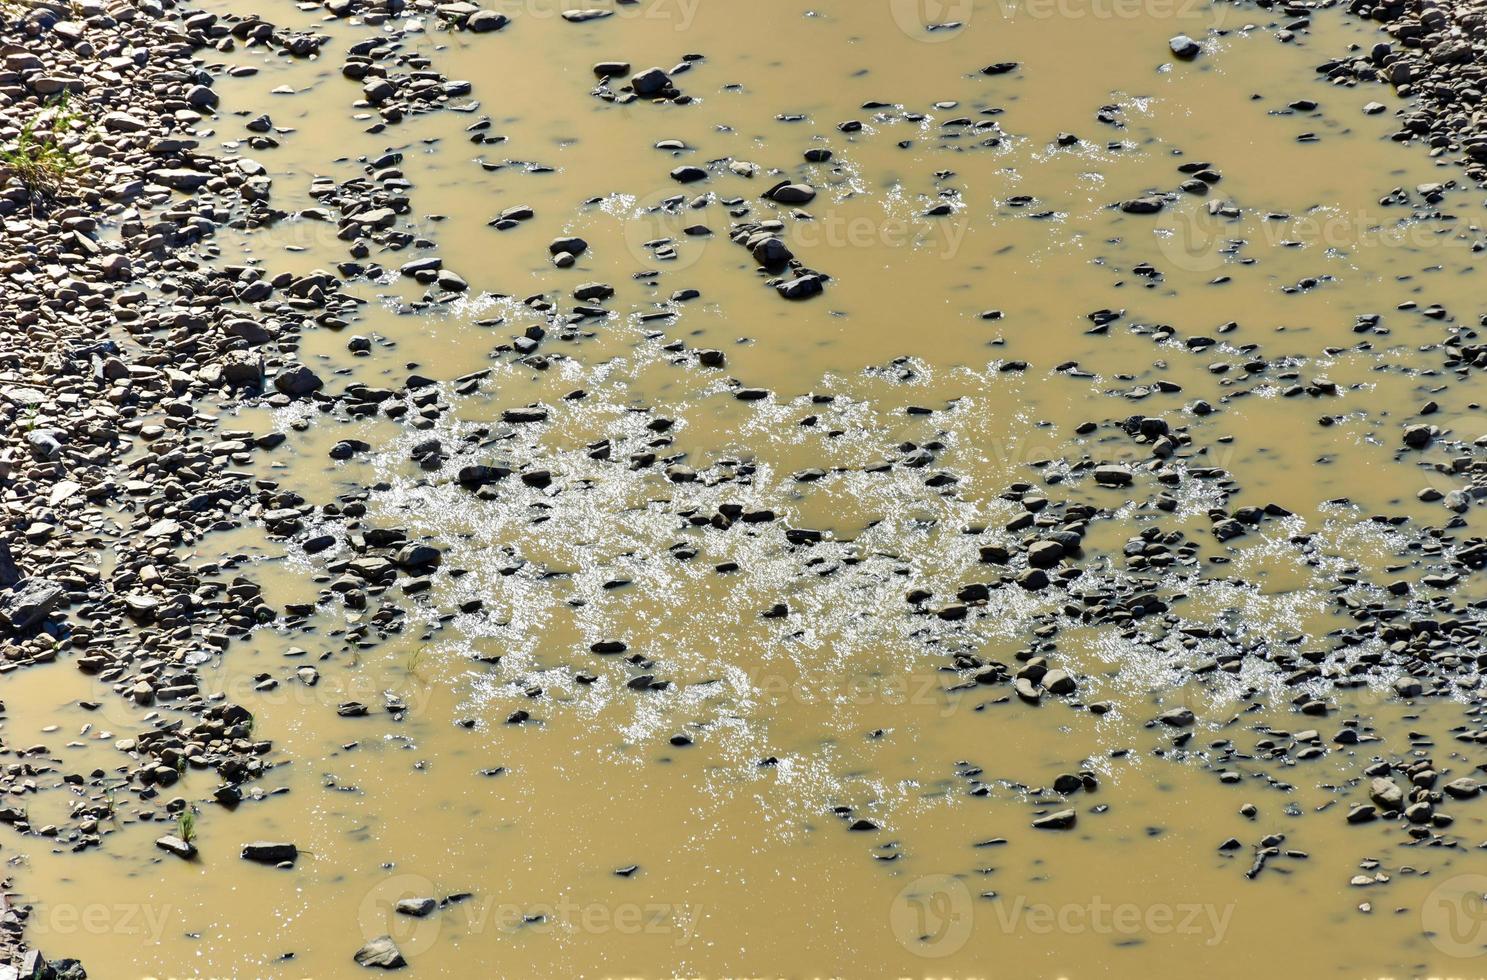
968 225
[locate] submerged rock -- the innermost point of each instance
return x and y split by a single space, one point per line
1062 820
270 852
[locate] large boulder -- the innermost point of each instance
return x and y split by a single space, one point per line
28 603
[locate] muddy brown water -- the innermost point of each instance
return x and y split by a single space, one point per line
743 869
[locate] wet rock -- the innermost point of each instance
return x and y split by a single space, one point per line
377 91
788 193
651 81
418 556
593 291
29 602
176 846
485 21
1419 436
1408 687
1184 47
297 381
1033 580
1177 718
451 282
479 475
1143 205
45 446
1386 794
567 246
804 287
1045 554
1112 475
243 369
416 907
1462 789
1067 783
771 253
270 852
1059 682
1419 812
381 953
1062 820
182 180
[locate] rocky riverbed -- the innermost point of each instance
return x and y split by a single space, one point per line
431 545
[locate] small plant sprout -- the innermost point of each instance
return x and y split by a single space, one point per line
37 157
186 825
